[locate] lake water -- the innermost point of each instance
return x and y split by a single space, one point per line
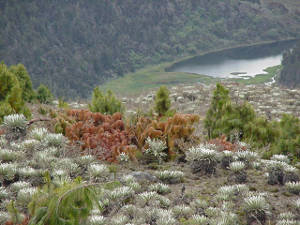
237 62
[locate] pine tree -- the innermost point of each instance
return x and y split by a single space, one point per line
220 107
162 101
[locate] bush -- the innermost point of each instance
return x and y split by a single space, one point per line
162 101
12 97
44 95
105 135
105 103
202 159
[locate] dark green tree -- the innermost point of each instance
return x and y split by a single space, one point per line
24 80
44 95
11 99
105 103
162 101
219 109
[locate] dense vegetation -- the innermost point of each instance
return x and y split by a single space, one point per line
240 122
290 73
73 45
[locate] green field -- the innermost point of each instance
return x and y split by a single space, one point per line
154 76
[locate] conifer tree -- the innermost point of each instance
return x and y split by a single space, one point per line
162 101
220 105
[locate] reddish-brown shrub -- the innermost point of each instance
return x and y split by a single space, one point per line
180 126
222 144
105 134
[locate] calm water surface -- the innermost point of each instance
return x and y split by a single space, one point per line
238 62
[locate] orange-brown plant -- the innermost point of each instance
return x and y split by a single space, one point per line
222 144
106 135
179 126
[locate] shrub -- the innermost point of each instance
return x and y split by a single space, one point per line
13 91
105 103
104 134
70 203
44 95
162 101
180 126
202 159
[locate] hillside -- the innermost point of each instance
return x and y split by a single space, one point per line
73 45
290 74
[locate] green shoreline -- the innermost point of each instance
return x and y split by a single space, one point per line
153 76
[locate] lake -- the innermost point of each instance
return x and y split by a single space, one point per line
237 62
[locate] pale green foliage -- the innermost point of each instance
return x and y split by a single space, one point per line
293 187
15 123
256 206
160 188
8 171
68 204
237 166
156 149
170 176
105 103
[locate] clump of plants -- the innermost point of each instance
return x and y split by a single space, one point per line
44 95
15 90
202 159
179 126
106 104
238 171
106 135
257 209
156 150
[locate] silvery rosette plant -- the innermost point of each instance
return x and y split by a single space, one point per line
225 218
8 155
226 158
97 220
246 156
238 171
293 187
160 188
15 126
199 219
98 171
38 133
156 150
275 172
202 159
199 205
184 211
170 177
8 171
228 193
256 208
